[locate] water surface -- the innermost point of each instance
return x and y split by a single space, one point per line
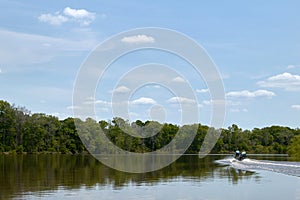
83 177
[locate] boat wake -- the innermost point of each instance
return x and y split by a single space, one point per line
288 168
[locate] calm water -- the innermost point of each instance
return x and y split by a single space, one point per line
83 177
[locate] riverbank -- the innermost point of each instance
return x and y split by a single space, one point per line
44 152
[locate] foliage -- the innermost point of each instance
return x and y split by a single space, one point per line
21 131
294 147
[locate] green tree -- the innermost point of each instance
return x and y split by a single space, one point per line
7 127
294 147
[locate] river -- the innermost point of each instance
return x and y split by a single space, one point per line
190 177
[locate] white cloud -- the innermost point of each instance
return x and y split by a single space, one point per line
138 39
101 102
296 107
151 86
178 79
79 13
143 100
180 100
53 19
238 110
286 81
202 90
121 89
214 102
233 103
73 107
0 70
248 94
291 67
206 102
90 101
81 16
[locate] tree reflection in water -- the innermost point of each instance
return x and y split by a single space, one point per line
37 173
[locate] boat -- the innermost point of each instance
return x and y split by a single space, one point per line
240 156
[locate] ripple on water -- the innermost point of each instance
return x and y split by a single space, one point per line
284 167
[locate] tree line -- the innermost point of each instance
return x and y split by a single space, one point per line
22 131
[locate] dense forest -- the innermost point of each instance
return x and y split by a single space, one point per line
21 131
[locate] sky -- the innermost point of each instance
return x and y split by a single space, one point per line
255 46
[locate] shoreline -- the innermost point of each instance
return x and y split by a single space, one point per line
187 154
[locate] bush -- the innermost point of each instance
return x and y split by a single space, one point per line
19 149
51 149
13 152
64 150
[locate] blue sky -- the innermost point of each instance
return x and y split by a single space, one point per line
255 45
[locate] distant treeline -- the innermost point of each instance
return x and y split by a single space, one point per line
21 131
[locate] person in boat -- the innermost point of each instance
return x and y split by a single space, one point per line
240 156
237 154
243 155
